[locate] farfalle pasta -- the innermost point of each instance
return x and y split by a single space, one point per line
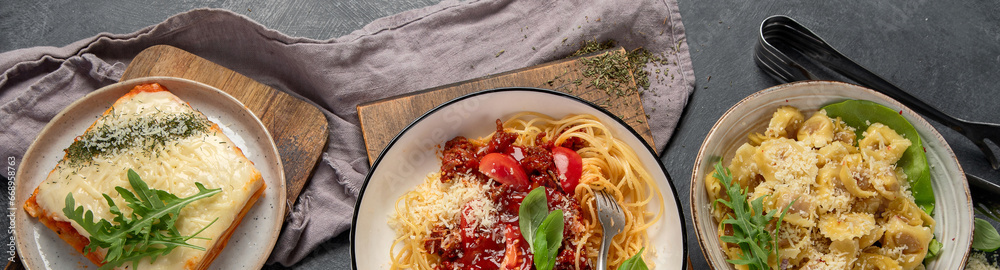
848 204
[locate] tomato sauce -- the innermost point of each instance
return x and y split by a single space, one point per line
501 246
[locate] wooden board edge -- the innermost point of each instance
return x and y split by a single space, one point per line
294 192
144 54
152 54
646 136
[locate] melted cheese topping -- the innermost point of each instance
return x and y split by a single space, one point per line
208 157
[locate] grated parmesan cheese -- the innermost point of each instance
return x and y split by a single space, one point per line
978 261
441 203
838 196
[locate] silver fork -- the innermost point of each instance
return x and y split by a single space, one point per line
612 222
779 33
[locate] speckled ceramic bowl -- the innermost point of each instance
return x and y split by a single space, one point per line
953 210
251 243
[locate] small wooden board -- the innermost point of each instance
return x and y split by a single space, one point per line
299 142
382 120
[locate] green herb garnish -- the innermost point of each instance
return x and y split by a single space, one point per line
142 132
985 236
635 262
611 71
548 239
933 249
593 46
542 229
148 232
749 223
532 212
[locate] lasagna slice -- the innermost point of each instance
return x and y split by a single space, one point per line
171 146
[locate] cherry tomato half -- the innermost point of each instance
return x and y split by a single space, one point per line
569 167
515 152
504 169
515 255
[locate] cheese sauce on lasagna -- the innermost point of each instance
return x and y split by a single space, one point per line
171 146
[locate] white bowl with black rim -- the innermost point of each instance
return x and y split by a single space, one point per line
412 154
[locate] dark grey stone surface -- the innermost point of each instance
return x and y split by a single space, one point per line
944 52
27 23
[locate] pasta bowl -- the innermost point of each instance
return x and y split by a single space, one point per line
953 210
413 154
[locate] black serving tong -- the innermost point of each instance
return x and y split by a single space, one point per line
787 33
782 37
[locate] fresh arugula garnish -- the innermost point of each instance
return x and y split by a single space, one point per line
749 223
635 262
148 232
542 229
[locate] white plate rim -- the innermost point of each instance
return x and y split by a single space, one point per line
648 149
275 189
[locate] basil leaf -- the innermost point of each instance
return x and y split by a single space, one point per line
635 262
860 113
985 236
553 228
548 238
542 259
531 213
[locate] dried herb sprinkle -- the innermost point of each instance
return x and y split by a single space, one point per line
610 71
145 132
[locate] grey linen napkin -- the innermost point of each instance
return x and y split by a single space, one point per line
418 49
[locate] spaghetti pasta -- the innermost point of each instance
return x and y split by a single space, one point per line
461 210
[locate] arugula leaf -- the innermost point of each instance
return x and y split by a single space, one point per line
534 208
861 113
635 262
749 223
985 236
148 232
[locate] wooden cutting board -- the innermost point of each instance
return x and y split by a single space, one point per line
299 142
382 120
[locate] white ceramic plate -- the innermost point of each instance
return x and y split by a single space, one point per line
408 159
953 209
251 243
